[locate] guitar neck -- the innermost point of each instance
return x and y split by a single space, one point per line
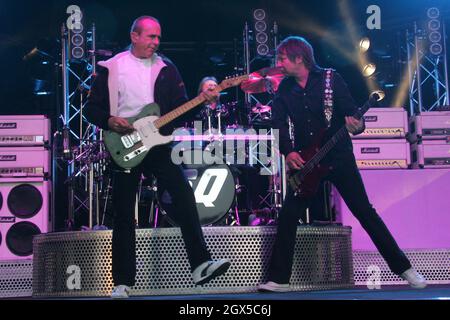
178 112
331 143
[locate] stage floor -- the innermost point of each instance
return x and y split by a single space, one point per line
398 292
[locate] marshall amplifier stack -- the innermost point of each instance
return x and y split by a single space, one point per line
432 132
383 144
25 167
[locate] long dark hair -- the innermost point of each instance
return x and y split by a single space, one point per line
298 47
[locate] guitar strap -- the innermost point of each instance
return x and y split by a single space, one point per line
328 96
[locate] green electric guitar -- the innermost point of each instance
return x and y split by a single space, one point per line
128 150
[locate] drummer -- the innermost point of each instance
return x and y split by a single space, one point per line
212 112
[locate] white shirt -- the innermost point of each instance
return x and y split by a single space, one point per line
136 84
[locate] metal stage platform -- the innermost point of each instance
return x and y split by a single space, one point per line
78 264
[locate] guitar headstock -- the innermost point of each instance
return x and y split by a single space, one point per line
233 81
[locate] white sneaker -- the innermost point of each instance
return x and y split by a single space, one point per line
271 286
415 279
209 270
120 292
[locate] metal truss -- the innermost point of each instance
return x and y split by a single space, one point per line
260 150
428 73
84 170
252 99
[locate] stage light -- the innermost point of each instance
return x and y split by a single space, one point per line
434 31
434 25
369 69
259 14
77 41
77 52
262 49
436 49
364 44
434 36
261 37
433 13
260 26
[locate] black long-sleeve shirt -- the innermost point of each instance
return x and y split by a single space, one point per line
305 108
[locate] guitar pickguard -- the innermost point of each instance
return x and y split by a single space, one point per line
149 134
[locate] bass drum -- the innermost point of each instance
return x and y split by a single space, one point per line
213 184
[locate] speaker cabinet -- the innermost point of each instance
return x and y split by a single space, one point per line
414 205
24 213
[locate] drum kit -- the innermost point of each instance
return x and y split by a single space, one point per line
219 117
226 194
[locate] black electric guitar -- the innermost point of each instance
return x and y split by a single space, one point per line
305 181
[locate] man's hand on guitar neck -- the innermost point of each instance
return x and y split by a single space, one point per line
120 125
294 161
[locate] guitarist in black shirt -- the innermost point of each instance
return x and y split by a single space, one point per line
319 104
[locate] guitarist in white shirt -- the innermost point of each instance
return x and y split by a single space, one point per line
123 86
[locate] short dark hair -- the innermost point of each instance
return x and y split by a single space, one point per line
136 26
295 47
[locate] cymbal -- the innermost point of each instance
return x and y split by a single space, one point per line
263 80
261 109
270 71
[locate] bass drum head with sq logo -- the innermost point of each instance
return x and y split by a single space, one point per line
213 185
